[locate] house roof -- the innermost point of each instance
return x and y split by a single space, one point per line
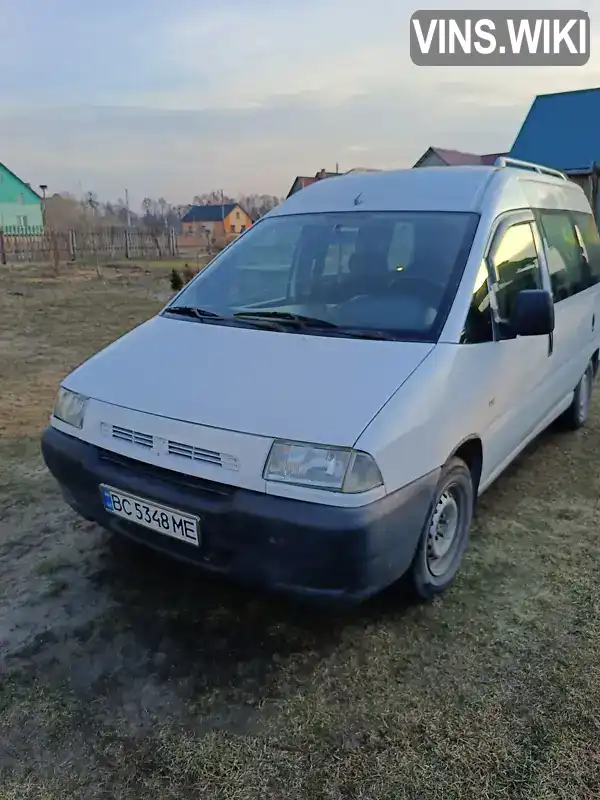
212 213
457 158
305 180
27 185
561 130
453 158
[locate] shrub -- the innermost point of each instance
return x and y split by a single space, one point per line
188 274
176 280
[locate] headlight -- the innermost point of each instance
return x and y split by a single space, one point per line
70 407
336 469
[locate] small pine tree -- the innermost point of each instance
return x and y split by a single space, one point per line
176 280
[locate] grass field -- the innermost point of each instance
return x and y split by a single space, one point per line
124 676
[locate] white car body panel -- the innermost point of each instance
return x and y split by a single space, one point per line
306 388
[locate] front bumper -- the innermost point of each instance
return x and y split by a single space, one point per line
307 549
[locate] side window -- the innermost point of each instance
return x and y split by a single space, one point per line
402 246
478 325
563 254
339 249
260 271
590 240
516 264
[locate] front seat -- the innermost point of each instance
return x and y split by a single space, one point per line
368 274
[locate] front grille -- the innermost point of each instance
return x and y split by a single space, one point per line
132 437
199 454
180 449
169 476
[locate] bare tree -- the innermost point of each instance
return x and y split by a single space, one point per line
92 203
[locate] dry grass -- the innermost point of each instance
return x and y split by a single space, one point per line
124 676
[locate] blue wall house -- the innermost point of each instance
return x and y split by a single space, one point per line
561 131
20 205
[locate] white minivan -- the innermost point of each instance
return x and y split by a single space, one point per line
318 410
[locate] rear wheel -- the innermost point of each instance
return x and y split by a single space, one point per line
446 532
578 412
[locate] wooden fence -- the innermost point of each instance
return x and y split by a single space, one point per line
107 244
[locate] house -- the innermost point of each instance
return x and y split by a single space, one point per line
20 206
301 181
561 131
214 222
441 157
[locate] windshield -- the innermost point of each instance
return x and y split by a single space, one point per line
392 273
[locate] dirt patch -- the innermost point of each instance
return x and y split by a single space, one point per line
125 675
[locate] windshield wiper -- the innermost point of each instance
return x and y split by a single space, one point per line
212 316
367 333
192 311
315 324
287 316
272 318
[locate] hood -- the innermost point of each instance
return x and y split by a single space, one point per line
285 385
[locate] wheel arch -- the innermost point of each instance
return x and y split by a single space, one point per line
595 362
470 450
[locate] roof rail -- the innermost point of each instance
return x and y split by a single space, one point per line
506 161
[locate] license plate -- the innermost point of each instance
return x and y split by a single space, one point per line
151 515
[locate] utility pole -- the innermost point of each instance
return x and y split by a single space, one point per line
43 187
127 207
223 210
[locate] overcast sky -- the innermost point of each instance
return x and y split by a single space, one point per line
177 98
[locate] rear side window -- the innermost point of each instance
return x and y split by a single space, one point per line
515 261
563 254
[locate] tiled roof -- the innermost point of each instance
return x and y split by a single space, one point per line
455 158
304 180
213 213
561 130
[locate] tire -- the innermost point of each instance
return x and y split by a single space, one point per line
436 561
578 412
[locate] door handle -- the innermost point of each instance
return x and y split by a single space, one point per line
550 344
593 321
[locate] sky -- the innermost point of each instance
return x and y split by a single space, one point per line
176 99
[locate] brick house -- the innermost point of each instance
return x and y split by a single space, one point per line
214 223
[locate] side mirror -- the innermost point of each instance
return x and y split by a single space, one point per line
533 313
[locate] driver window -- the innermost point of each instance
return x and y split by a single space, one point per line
478 324
516 265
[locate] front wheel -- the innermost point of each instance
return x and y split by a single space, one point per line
578 412
446 532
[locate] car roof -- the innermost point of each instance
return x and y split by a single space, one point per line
463 188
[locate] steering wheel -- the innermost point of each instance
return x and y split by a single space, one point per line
428 290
